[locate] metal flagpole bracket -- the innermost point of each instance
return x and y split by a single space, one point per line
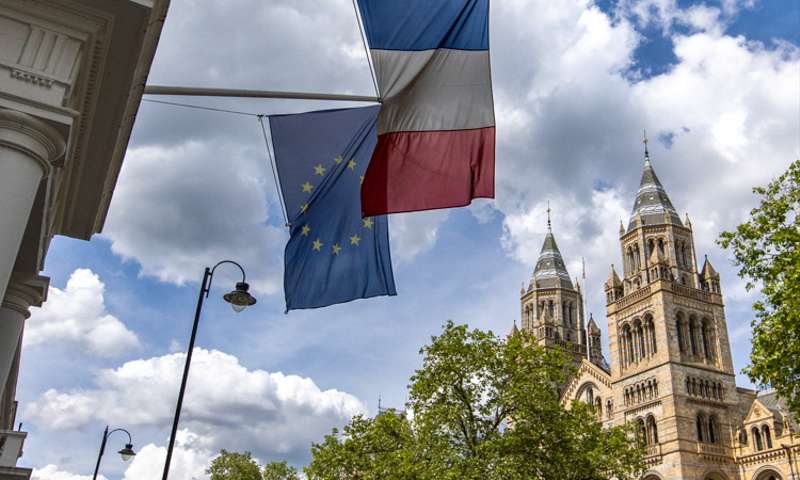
240 93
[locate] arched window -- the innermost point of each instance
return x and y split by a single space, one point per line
641 436
680 324
628 345
700 424
598 405
652 431
767 436
713 430
757 439
743 437
693 335
609 408
651 332
589 396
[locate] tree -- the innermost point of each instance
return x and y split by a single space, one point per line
767 250
234 466
280 471
483 408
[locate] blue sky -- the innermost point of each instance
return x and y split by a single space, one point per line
718 83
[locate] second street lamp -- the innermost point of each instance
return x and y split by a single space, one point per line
126 453
239 298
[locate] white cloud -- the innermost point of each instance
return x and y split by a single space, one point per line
414 233
183 207
51 472
226 404
190 459
77 316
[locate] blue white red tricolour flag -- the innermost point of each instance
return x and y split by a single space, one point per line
436 128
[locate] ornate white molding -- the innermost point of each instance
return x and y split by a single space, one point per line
35 138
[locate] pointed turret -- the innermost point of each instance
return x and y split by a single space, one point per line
613 279
514 329
621 228
593 328
550 271
614 288
652 205
687 222
708 271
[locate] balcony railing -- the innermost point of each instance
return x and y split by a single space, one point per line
709 449
652 454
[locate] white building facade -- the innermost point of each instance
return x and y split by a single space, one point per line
72 73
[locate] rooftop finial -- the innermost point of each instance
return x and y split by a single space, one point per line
645 141
549 229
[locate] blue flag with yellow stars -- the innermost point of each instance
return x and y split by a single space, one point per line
334 255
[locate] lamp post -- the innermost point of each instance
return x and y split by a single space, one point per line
127 453
239 299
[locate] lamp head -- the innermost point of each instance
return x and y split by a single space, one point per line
239 298
127 453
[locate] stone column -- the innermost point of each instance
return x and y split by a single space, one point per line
23 292
28 147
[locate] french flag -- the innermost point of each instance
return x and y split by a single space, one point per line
436 128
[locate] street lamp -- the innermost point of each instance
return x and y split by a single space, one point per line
126 453
239 298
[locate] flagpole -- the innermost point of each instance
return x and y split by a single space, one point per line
240 93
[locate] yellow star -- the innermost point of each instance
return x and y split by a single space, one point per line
351 164
362 179
307 187
306 230
367 222
336 249
354 240
317 245
319 169
338 160
303 208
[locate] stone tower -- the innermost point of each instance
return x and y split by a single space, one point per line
671 367
552 308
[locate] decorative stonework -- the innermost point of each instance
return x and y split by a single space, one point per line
34 78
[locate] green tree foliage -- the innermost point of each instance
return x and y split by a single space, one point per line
234 466
280 471
767 250
483 408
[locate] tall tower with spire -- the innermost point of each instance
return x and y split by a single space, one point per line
671 366
552 307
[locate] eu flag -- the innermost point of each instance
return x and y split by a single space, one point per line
334 255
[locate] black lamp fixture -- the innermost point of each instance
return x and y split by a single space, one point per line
126 453
239 298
